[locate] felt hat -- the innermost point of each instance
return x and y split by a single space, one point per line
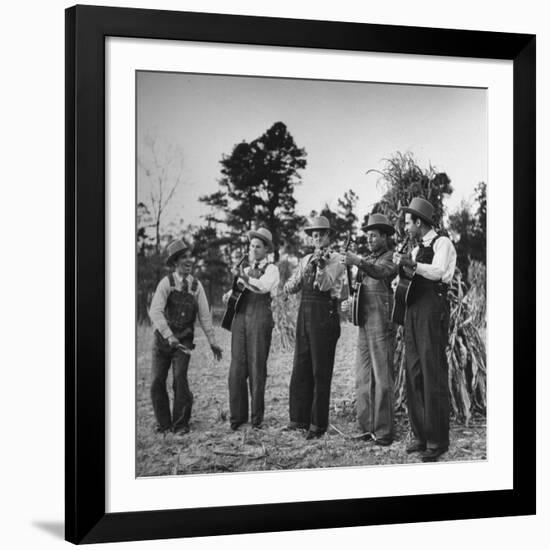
422 208
174 250
319 223
263 234
380 222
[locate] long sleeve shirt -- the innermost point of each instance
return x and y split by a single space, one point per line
330 277
379 266
267 282
158 303
443 264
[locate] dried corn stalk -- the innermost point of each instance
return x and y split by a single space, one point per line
285 312
465 354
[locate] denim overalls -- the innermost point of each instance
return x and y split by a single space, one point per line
250 343
180 312
317 332
426 335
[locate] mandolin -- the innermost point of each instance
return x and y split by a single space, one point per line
401 292
233 303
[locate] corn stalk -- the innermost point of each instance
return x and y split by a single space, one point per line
466 357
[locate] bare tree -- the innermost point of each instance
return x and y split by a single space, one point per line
162 166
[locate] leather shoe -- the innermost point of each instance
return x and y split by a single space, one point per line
236 425
431 455
314 435
162 431
181 430
383 441
416 447
292 426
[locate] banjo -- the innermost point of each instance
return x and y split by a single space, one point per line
354 290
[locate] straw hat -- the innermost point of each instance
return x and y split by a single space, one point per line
175 249
263 234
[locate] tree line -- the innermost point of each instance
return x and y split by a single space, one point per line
256 188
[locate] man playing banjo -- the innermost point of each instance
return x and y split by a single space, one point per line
376 338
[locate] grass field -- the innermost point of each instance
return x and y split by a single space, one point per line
212 446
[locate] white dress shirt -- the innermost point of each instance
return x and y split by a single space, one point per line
268 282
443 264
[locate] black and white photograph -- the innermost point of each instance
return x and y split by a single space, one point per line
310 273
289 261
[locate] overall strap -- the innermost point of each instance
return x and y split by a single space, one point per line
171 281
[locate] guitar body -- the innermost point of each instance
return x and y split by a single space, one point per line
401 294
357 305
232 307
234 301
400 300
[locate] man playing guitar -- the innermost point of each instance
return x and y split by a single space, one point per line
433 263
251 331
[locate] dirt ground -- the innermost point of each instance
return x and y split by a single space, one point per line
212 446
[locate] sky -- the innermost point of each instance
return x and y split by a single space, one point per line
346 128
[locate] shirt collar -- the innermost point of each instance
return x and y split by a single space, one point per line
429 237
179 278
261 263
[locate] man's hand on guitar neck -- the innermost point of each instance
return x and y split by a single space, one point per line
406 262
403 260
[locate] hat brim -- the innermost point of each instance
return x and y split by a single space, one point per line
255 235
309 230
387 229
418 214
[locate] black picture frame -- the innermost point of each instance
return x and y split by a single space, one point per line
86 30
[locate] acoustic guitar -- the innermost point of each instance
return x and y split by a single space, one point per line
401 292
233 303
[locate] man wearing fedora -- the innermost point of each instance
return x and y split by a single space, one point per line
251 332
178 300
376 338
432 263
320 278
